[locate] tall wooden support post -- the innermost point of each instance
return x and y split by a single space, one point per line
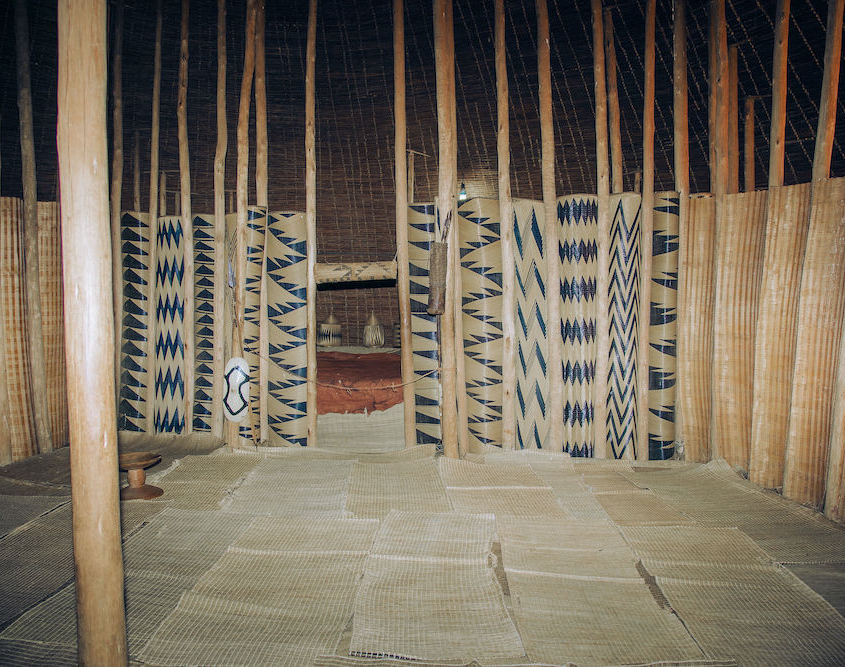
830 85
506 217
151 273
721 143
646 231
5 426
187 219
34 340
602 284
219 303
711 96
402 193
242 195
162 194
136 173
733 120
262 199
613 105
311 219
748 151
117 186
444 56
554 440
411 173
778 130
86 249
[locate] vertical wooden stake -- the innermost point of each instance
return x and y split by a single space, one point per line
721 144
87 276
403 191
602 283
778 129
177 201
613 105
712 76
262 199
748 135
34 340
154 202
311 218
411 175
506 217
5 427
162 194
187 221
136 174
220 282
830 84
117 188
733 120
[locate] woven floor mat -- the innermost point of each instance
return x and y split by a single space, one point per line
563 620
382 430
352 661
15 511
474 475
136 513
573 562
15 653
608 481
572 493
776 622
306 535
221 470
827 580
534 457
429 535
432 611
280 487
520 502
640 509
378 488
307 453
409 453
695 545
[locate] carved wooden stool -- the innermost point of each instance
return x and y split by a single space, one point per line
134 464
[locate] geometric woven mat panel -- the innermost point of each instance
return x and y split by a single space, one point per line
204 252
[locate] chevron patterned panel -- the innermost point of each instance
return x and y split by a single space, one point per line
421 228
623 302
169 405
578 219
256 228
204 250
663 327
134 369
287 277
532 385
481 302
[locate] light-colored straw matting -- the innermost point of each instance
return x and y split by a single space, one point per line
295 534
508 501
479 475
204 482
828 580
436 536
640 509
354 661
787 220
18 510
413 485
382 430
573 562
15 653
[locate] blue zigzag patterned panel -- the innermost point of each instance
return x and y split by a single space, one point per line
578 233
169 407
134 371
623 304
663 327
531 331
287 276
204 251
421 234
481 302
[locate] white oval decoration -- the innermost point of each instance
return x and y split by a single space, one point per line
236 389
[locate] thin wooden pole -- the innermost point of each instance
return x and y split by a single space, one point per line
554 441
117 187
162 195
721 142
602 283
613 105
136 174
34 340
5 426
506 216
261 198
177 200
402 193
444 44
218 360
733 120
187 220
778 129
711 95
830 85
748 136
154 202
311 219
82 153
411 175
646 231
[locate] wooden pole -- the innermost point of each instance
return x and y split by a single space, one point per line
411 175
830 85
613 105
748 136
646 231
554 441
136 174
162 195
34 340
778 129
5 426
721 144
311 219
261 198
88 311
218 360
151 273
444 45
117 187
506 216
711 96
403 283
187 220
602 283
733 121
